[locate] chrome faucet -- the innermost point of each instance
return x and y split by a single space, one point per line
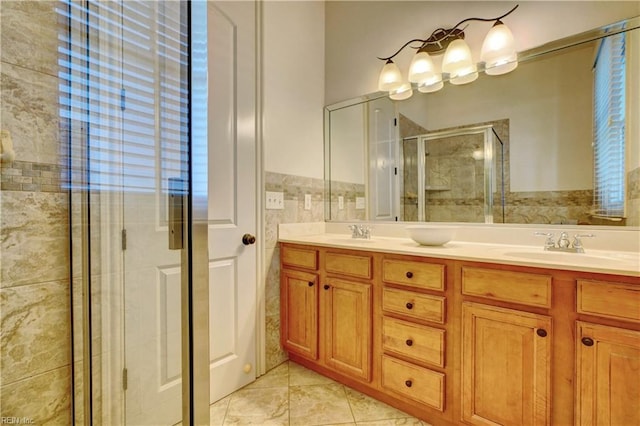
360 231
564 244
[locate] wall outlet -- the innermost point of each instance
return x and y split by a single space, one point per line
275 200
360 203
340 202
307 201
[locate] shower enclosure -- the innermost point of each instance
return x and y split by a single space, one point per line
453 175
138 210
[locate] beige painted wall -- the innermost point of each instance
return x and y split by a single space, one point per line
357 32
293 84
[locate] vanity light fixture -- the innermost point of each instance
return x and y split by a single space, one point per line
498 55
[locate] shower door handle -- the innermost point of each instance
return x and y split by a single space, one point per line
176 213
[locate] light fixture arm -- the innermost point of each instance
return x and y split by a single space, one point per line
440 34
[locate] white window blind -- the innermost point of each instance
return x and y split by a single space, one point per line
609 128
123 71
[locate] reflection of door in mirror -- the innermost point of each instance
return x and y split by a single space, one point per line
383 169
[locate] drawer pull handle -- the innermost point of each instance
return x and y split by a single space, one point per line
326 286
408 383
310 283
587 341
409 342
409 274
541 332
409 305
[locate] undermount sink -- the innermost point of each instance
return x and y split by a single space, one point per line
582 258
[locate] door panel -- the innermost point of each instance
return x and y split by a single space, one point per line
607 368
497 340
223 110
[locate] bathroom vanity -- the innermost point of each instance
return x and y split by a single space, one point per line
464 333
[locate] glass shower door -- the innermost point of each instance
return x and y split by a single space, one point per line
139 325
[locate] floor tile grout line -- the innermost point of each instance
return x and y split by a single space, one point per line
346 396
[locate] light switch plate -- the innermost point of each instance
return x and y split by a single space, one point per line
340 202
360 203
275 200
307 201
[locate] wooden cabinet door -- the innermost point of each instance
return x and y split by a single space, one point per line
346 317
608 376
505 366
299 312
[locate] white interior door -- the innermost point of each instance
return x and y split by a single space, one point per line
232 192
152 272
154 139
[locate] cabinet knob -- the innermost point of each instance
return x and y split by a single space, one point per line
310 283
409 274
326 286
541 332
409 305
409 342
587 341
408 383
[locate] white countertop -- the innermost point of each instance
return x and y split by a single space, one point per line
593 260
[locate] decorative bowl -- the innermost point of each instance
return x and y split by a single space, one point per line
431 235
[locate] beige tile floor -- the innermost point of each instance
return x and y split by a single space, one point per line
293 395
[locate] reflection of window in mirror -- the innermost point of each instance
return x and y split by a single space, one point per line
609 127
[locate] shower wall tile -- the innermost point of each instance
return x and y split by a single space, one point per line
35 328
29 35
43 398
34 238
30 113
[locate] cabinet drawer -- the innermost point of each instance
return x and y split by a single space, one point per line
348 264
415 305
612 300
415 274
416 383
300 257
418 342
507 286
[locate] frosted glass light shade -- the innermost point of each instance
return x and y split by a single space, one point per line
458 63
403 92
422 68
499 50
390 77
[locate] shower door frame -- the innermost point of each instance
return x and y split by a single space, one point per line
489 173
193 260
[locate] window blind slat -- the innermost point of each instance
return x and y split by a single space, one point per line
609 127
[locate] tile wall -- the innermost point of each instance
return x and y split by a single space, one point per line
34 282
294 189
633 197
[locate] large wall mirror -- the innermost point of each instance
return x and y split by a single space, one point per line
515 148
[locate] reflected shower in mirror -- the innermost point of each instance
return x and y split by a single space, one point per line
543 114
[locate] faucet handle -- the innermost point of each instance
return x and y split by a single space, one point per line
563 241
577 240
549 242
